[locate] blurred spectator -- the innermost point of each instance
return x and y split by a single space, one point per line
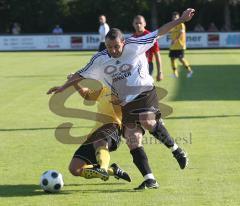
199 28
212 27
16 29
103 30
57 30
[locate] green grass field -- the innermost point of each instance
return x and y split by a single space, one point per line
205 122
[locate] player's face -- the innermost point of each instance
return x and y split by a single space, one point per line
139 24
174 17
115 47
102 19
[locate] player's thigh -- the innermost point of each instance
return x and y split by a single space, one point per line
180 56
101 143
172 54
108 136
172 59
176 54
86 153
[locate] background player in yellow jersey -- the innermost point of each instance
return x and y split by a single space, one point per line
92 158
178 45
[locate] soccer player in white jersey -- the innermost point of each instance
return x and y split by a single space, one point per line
103 30
124 68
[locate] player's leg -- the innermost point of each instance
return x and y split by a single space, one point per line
150 120
102 153
106 139
156 127
83 159
187 66
77 167
102 148
95 153
185 63
174 67
113 139
134 135
172 56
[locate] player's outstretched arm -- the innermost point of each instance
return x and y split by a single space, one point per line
186 16
82 91
86 93
71 81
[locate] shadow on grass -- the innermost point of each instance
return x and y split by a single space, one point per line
104 191
24 190
107 186
35 190
209 82
96 184
40 128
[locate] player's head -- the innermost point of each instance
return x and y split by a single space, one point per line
175 15
139 23
114 42
102 19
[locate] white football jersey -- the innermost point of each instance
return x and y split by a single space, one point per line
128 75
103 30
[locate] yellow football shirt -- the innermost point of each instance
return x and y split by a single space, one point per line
105 107
179 30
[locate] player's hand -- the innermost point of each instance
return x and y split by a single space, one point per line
187 14
159 77
115 100
70 75
55 90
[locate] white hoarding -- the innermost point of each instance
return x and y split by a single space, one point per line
44 42
91 41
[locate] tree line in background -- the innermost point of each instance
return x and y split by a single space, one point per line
40 16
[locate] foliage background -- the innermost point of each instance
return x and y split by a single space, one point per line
40 16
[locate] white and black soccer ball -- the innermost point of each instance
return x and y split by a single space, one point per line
51 181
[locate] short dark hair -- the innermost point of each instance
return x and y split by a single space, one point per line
139 17
175 13
115 33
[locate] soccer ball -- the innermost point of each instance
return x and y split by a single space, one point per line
51 181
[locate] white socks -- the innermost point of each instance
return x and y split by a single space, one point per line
149 176
174 147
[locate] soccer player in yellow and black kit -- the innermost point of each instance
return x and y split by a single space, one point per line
178 45
92 158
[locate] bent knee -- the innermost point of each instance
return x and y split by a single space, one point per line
134 141
76 166
148 124
74 171
147 120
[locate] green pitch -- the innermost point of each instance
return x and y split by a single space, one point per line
205 122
